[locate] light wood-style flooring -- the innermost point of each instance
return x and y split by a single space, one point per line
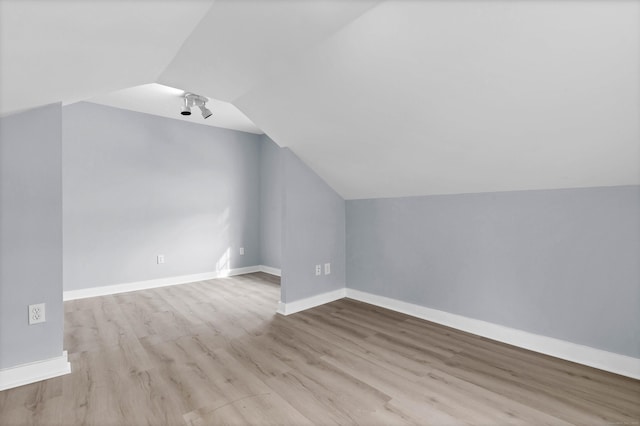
215 353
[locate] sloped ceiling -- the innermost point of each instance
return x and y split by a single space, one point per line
382 99
71 50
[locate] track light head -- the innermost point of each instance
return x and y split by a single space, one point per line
186 109
206 112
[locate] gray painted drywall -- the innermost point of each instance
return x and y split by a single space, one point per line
30 235
270 203
137 185
313 232
560 263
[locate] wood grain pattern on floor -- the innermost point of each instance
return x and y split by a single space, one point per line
215 353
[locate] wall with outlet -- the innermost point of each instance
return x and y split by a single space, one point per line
30 236
271 185
313 221
147 197
560 263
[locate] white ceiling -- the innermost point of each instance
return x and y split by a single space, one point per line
166 101
382 99
71 50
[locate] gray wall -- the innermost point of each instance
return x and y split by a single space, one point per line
313 232
270 203
137 185
560 263
30 235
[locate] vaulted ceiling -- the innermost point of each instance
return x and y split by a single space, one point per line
381 98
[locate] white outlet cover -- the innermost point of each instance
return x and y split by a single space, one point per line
327 268
318 270
160 259
37 313
241 251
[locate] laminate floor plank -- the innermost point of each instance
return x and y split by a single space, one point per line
443 393
614 398
267 409
386 356
554 402
215 353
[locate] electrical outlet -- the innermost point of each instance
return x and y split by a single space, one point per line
318 270
241 251
36 313
327 268
160 259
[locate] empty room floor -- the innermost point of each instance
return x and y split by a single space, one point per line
215 352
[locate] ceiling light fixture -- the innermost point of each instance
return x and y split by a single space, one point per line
192 100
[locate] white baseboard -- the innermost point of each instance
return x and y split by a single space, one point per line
310 302
161 282
270 270
597 358
34 372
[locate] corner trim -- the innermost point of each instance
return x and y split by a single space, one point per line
310 302
34 372
160 282
270 270
586 355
